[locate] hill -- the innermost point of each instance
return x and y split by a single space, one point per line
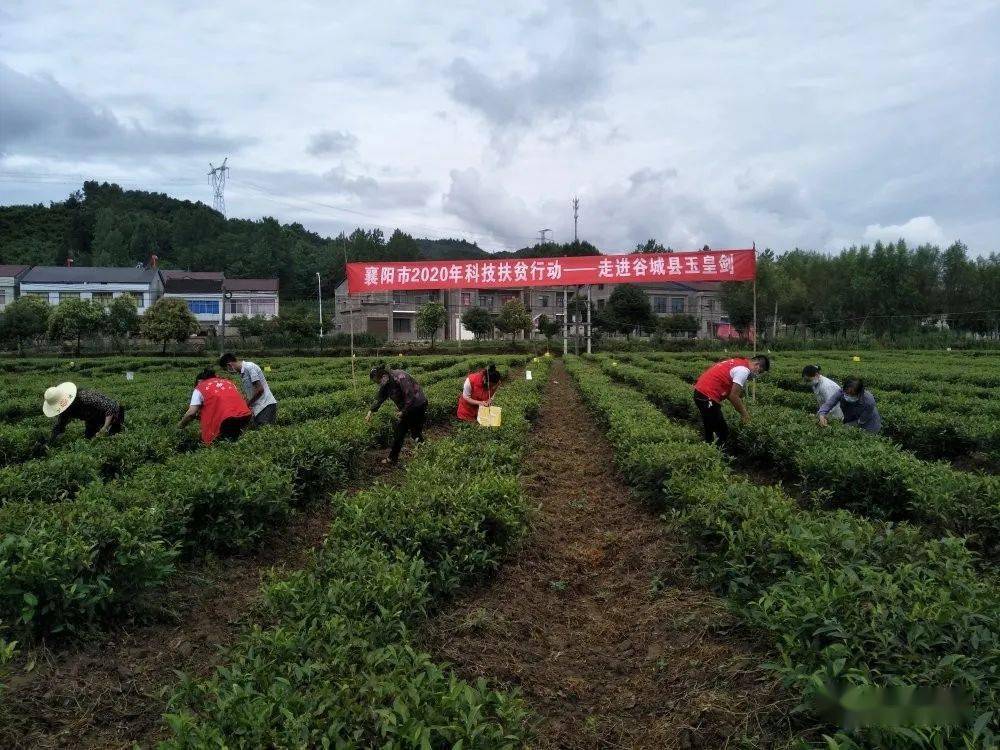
102 224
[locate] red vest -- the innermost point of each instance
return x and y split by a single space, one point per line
466 411
716 382
221 401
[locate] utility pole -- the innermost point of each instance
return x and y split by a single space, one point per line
541 235
576 322
217 179
319 296
590 302
565 321
576 215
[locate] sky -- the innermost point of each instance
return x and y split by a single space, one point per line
812 125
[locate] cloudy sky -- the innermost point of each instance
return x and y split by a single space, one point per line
786 124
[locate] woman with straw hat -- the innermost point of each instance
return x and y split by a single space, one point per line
101 415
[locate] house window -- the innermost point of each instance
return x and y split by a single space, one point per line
601 303
251 308
402 325
3 297
659 305
600 287
203 306
397 297
676 305
68 295
544 300
487 302
466 299
139 297
103 297
43 295
710 305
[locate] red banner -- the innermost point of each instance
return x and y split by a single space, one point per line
639 268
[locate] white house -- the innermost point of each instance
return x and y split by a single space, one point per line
201 290
251 298
10 276
58 283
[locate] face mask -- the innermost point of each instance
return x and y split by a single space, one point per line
850 399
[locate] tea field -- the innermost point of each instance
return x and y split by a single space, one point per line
860 561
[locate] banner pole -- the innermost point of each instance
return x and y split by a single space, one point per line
565 322
350 307
753 396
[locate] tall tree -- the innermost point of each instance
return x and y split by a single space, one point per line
76 319
24 320
513 318
478 321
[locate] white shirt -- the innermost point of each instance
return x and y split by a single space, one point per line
824 388
740 375
467 388
250 374
197 399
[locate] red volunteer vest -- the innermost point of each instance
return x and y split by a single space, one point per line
466 411
222 401
716 382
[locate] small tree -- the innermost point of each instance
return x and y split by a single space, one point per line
678 324
122 319
548 327
479 321
76 319
254 326
24 320
168 320
430 317
628 309
513 318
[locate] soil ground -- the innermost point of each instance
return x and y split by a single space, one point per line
596 621
110 691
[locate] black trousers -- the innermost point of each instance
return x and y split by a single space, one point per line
411 421
231 428
714 421
90 429
267 415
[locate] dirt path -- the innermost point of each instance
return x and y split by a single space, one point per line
595 620
109 692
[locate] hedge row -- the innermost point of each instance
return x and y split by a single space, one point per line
68 564
853 604
847 467
336 668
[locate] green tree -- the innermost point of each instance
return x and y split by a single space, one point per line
548 327
24 320
478 321
249 327
168 320
513 318
628 309
76 319
430 317
122 319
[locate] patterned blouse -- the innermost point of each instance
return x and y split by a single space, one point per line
90 406
403 390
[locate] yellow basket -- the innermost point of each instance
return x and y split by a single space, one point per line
489 416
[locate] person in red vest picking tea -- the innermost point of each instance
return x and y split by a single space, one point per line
220 407
725 381
478 391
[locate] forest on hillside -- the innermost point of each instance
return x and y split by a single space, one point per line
104 225
883 288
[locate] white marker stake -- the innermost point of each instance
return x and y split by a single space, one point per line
527 374
130 376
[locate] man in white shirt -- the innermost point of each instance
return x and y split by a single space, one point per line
823 388
261 401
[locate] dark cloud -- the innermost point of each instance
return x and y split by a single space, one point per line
555 86
338 184
332 142
40 117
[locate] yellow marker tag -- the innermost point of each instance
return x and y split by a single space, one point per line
614 364
267 368
855 358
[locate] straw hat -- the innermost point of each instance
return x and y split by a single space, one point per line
58 398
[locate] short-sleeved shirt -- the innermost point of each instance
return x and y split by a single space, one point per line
89 406
250 374
740 375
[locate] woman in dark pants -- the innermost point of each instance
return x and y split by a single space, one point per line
101 415
406 393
